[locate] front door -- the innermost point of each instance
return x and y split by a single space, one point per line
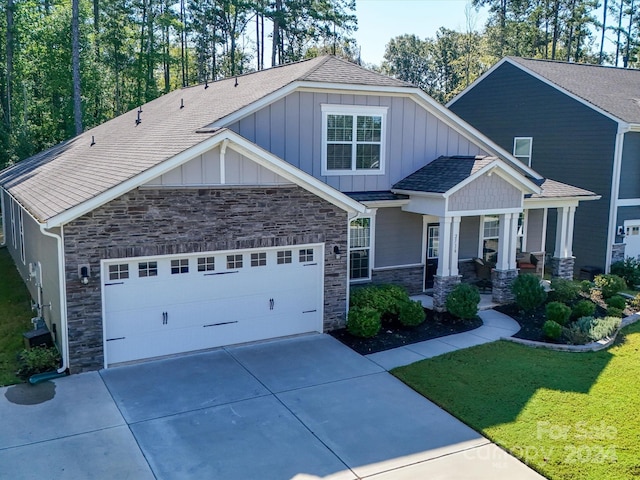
431 262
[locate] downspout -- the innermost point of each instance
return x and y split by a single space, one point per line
4 228
64 341
615 192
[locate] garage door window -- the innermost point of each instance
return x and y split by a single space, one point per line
179 266
148 269
306 255
258 259
284 256
119 272
206 264
234 261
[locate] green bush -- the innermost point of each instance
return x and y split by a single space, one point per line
363 322
528 292
617 301
586 286
38 360
584 308
386 299
598 328
411 314
615 312
563 290
609 284
462 301
552 329
574 335
558 312
635 303
629 269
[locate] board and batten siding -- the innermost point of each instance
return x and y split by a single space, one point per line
572 143
37 248
398 238
630 169
291 128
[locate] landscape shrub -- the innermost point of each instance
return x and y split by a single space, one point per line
386 299
617 301
563 290
597 328
558 312
411 314
363 322
574 335
609 284
528 292
629 269
584 308
462 302
38 360
586 286
552 329
615 312
635 303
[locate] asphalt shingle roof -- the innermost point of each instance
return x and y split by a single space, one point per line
375 196
444 173
614 90
75 171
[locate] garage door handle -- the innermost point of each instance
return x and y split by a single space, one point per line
165 318
271 303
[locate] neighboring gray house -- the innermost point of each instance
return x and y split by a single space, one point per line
578 124
245 209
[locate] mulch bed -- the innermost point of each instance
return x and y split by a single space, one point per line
393 334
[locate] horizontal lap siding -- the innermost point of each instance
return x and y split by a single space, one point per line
571 143
172 221
630 171
291 128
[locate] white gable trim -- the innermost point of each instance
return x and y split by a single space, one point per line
238 143
620 122
439 111
505 172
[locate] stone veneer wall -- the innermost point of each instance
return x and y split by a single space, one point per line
442 286
411 278
148 222
617 252
501 285
562 267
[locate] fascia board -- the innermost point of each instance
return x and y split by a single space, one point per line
386 203
558 201
417 193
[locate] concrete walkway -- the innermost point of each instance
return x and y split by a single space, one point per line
495 326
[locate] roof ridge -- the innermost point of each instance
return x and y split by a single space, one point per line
580 64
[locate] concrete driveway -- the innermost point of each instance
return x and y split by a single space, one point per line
305 407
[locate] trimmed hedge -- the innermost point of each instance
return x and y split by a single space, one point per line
411 314
552 329
563 290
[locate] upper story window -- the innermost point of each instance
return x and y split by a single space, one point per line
522 147
353 140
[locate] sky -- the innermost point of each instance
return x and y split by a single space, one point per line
381 20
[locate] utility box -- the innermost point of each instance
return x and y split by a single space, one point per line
36 338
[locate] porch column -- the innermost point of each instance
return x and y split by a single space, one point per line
505 272
563 260
447 275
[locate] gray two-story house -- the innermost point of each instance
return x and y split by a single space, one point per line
576 123
247 208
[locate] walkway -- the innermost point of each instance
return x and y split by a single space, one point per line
495 325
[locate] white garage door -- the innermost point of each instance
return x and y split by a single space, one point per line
172 304
632 238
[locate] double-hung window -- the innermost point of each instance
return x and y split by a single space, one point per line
360 234
522 148
353 140
490 238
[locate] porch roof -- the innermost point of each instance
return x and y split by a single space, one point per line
376 196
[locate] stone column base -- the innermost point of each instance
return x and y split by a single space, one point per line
501 289
442 286
617 252
562 267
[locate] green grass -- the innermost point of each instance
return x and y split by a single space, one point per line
568 415
15 318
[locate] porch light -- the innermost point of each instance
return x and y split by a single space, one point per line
336 251
84 274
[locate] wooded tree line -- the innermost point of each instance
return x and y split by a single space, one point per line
566 30
72 64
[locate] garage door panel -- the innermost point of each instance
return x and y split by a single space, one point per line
163 314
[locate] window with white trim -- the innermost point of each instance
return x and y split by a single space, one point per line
353 139
490 238
21 227
522 148
14 237
522 231
360 231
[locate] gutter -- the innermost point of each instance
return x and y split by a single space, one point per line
64 342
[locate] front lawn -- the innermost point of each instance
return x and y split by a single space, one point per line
15 318
567 415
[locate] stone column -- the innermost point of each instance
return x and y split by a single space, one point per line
502 280
442 286
562 267
563 261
